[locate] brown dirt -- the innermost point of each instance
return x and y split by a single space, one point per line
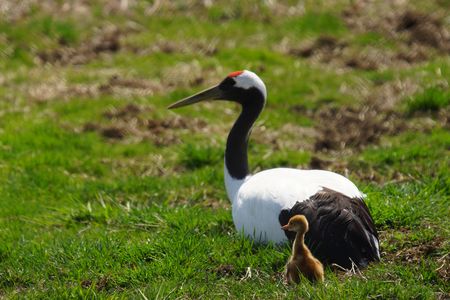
386 96
129 87
416 254
323 163
86 283
128 111
399 22
57 88
105 40
424 29
444 268
327 49
324 46
100 285
365 172
224 270
199 47
257 12
11 10
414 32
149 165
184 75
130 122
354 127
113 132
289 136
163 132
413 252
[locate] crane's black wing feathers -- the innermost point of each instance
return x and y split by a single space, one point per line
341 229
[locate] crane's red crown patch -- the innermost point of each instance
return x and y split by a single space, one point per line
235 73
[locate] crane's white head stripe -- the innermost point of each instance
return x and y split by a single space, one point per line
247 79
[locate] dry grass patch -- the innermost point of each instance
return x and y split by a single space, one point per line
148 166
129 123
327 49
57 88
197 47
190 74
104 40
11 10
399 22
289 136
416 35
414 252
345 127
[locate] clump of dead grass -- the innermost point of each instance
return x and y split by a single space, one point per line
425 29
57 88
162 45
417 35
407 252
399 22
340 53
353 127
131 123
105 40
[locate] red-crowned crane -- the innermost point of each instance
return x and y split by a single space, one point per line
341 228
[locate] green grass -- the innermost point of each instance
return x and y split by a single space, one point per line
87 216
431 99
323 23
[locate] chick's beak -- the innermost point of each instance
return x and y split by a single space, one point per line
285 227
213 93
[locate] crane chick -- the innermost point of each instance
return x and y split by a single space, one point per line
301 260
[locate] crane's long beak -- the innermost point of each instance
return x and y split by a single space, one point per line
213 93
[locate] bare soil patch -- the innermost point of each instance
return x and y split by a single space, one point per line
190 74
425 29
372 58
396 20
326 49
149 165
415 34
11 10
444 267
128 87
225 270
354 127
415 252
58 88
199 47
182 75
105 40
100 284
289 136
131 122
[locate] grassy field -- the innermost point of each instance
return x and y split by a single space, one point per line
104 193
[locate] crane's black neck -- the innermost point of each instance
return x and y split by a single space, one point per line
236 160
